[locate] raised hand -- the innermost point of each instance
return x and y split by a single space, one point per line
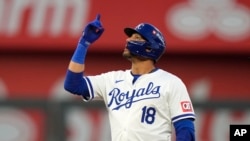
92 31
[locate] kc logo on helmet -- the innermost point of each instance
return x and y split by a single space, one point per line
186 106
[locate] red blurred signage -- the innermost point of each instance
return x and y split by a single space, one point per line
188 25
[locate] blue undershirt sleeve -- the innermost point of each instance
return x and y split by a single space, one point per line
76 84
185 130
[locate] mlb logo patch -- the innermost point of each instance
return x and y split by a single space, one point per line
186 106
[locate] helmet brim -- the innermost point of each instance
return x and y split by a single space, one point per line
129 31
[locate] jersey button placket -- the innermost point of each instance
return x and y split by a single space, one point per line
126 126
125 134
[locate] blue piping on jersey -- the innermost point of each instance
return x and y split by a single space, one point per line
183 116
91 88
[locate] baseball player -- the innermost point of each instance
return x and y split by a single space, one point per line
143 102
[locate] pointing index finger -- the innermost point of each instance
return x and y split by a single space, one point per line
98 17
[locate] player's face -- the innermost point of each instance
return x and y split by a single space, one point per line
134 37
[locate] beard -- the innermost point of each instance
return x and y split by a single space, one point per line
126 54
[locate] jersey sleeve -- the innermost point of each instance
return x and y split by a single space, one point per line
97 86
179 101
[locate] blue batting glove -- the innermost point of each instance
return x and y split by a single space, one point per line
92 31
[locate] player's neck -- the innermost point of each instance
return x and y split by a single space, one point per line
143 67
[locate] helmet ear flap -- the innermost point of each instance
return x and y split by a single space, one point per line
141 49
148 49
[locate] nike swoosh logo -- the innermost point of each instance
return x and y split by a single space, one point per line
117 81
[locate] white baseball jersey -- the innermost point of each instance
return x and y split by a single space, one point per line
143 110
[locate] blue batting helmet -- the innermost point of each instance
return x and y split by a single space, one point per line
154 46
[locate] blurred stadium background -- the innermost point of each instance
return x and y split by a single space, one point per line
208 46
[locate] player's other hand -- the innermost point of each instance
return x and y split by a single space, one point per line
92 31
